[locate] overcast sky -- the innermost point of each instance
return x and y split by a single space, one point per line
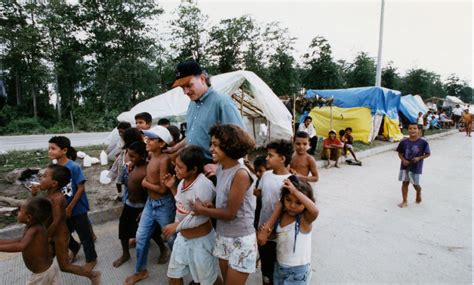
433 35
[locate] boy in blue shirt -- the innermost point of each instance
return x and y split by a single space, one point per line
412 152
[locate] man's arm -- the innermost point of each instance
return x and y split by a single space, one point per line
175 148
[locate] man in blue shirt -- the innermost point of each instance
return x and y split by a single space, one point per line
207 107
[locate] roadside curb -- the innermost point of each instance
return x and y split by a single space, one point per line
106 215
385 148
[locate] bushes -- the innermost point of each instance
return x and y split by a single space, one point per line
23 126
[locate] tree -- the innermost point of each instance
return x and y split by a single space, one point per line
120 50
188 31
453 85
63 25
22 37
361 72
226 42
254 58
321 71
467 94
425 83
283 77
390 77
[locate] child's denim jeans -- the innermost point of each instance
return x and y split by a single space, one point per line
296 275
161 211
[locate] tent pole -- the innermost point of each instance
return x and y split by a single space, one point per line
242 104
253 124
294 111
330 117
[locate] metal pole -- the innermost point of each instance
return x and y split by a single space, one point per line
378 76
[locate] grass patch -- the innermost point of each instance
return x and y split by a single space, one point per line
37 158
7 220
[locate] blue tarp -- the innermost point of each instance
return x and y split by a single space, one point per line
410 107
380 100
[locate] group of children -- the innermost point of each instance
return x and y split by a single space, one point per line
216 232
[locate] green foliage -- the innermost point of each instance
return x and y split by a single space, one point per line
390 77
23 126
361 73
99 58
188 32
227 40
321 72
425 83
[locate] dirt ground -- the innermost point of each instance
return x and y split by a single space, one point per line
100 196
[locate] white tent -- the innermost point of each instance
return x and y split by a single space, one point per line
265 116
452 101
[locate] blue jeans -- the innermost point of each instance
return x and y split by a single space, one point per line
161 211
296 275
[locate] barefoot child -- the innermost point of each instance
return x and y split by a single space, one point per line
33 245
412 152
192 249
55 179
160 206
78 205
302 164
278 158
236 244
136 198
348 143
294 233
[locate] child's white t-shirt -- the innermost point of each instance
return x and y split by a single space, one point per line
271 185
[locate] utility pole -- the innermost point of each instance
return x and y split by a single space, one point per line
378 76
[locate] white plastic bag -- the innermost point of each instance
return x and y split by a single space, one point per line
104 177
81 154
87 162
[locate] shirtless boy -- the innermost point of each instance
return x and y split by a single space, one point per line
160 206
136 198
467 120
34 243
302 164
55 178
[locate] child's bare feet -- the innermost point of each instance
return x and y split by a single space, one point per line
95 279
337 166
418 197
164 256
403 205
121 260
328 166
136 277
90 265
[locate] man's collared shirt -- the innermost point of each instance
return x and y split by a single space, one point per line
211 108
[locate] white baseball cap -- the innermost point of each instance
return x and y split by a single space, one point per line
159 132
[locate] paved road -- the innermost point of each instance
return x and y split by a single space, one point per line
8 143
361 236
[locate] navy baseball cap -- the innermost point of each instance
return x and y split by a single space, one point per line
185 71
